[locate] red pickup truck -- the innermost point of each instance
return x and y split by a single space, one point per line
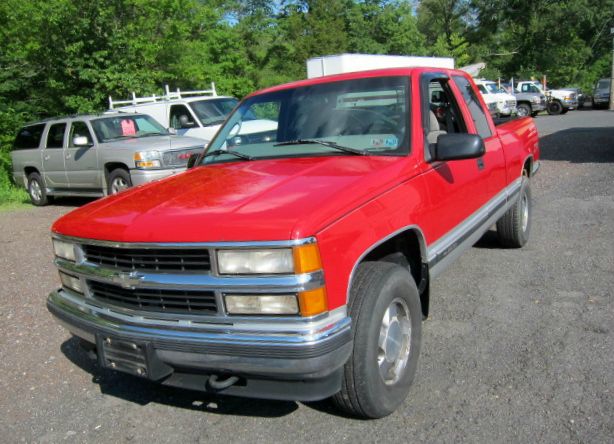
295 263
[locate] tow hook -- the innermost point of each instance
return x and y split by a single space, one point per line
216 384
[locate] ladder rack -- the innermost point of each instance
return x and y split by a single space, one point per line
168 95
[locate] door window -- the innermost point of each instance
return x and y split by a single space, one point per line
29 137
55 137
444 113
475 107
181 118
79 129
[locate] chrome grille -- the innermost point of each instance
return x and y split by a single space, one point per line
511 103
165 301
179 158
145 259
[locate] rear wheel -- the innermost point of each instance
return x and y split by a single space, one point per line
515 225
387 324
119 180
36 190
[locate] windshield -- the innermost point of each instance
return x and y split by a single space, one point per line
603 84
365 115
492 88
126 127
213 111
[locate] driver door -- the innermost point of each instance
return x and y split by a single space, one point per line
82 161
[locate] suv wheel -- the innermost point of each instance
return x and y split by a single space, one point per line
555 108
119 180
523 110
36 190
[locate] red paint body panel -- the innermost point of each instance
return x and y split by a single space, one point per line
349 203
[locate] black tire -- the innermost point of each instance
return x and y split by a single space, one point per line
377 287
555 108
514 227
37 191
534 113
119 180
565 111
524 109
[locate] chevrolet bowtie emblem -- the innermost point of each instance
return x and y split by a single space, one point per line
128 280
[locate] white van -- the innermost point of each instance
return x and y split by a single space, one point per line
497 97
191 113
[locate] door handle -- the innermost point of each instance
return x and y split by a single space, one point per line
68 156
46 157
480 164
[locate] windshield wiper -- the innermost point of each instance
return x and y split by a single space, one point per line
234 153
326 143
159 133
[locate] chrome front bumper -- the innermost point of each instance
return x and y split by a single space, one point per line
140 177
304 359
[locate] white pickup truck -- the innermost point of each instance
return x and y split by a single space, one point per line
559 100
192 113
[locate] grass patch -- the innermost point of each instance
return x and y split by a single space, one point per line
12 197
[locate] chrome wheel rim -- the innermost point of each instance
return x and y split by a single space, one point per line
35 190
394 342
524 208
522 112
118 184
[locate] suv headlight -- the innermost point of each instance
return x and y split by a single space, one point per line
63 249
147 159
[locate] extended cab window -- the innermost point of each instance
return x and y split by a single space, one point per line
337 118
29 137
213 111
475 107
79 129
181 118
55 136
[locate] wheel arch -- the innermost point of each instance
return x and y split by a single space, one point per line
108 167
410 242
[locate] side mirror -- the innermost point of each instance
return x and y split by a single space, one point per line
171 130
459 146
192 160
81 141
185 121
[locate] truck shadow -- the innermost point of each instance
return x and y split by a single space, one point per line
142 392
579 145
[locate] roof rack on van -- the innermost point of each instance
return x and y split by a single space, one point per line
169 95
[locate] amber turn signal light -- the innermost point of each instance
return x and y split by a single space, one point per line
307 259
313 302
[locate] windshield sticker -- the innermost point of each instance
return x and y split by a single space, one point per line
128 128
384 142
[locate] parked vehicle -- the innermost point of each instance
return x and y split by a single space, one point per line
505 103
298 267
560 101
190 113
582 98
601 94
529 103
95 155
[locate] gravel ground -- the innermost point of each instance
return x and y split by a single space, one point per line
519 346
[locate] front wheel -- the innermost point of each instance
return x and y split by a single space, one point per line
523 110
515 225
387 325
555 108
119 180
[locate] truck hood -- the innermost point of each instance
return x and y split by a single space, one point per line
161 143
276 199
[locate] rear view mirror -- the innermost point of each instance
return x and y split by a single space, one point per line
459 146
81 141
192 160
185 122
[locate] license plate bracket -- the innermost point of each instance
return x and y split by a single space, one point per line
134 357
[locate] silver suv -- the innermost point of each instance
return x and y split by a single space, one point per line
96 155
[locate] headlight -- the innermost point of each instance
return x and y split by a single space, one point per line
272 261
261 304
65 250
147 159
71 282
